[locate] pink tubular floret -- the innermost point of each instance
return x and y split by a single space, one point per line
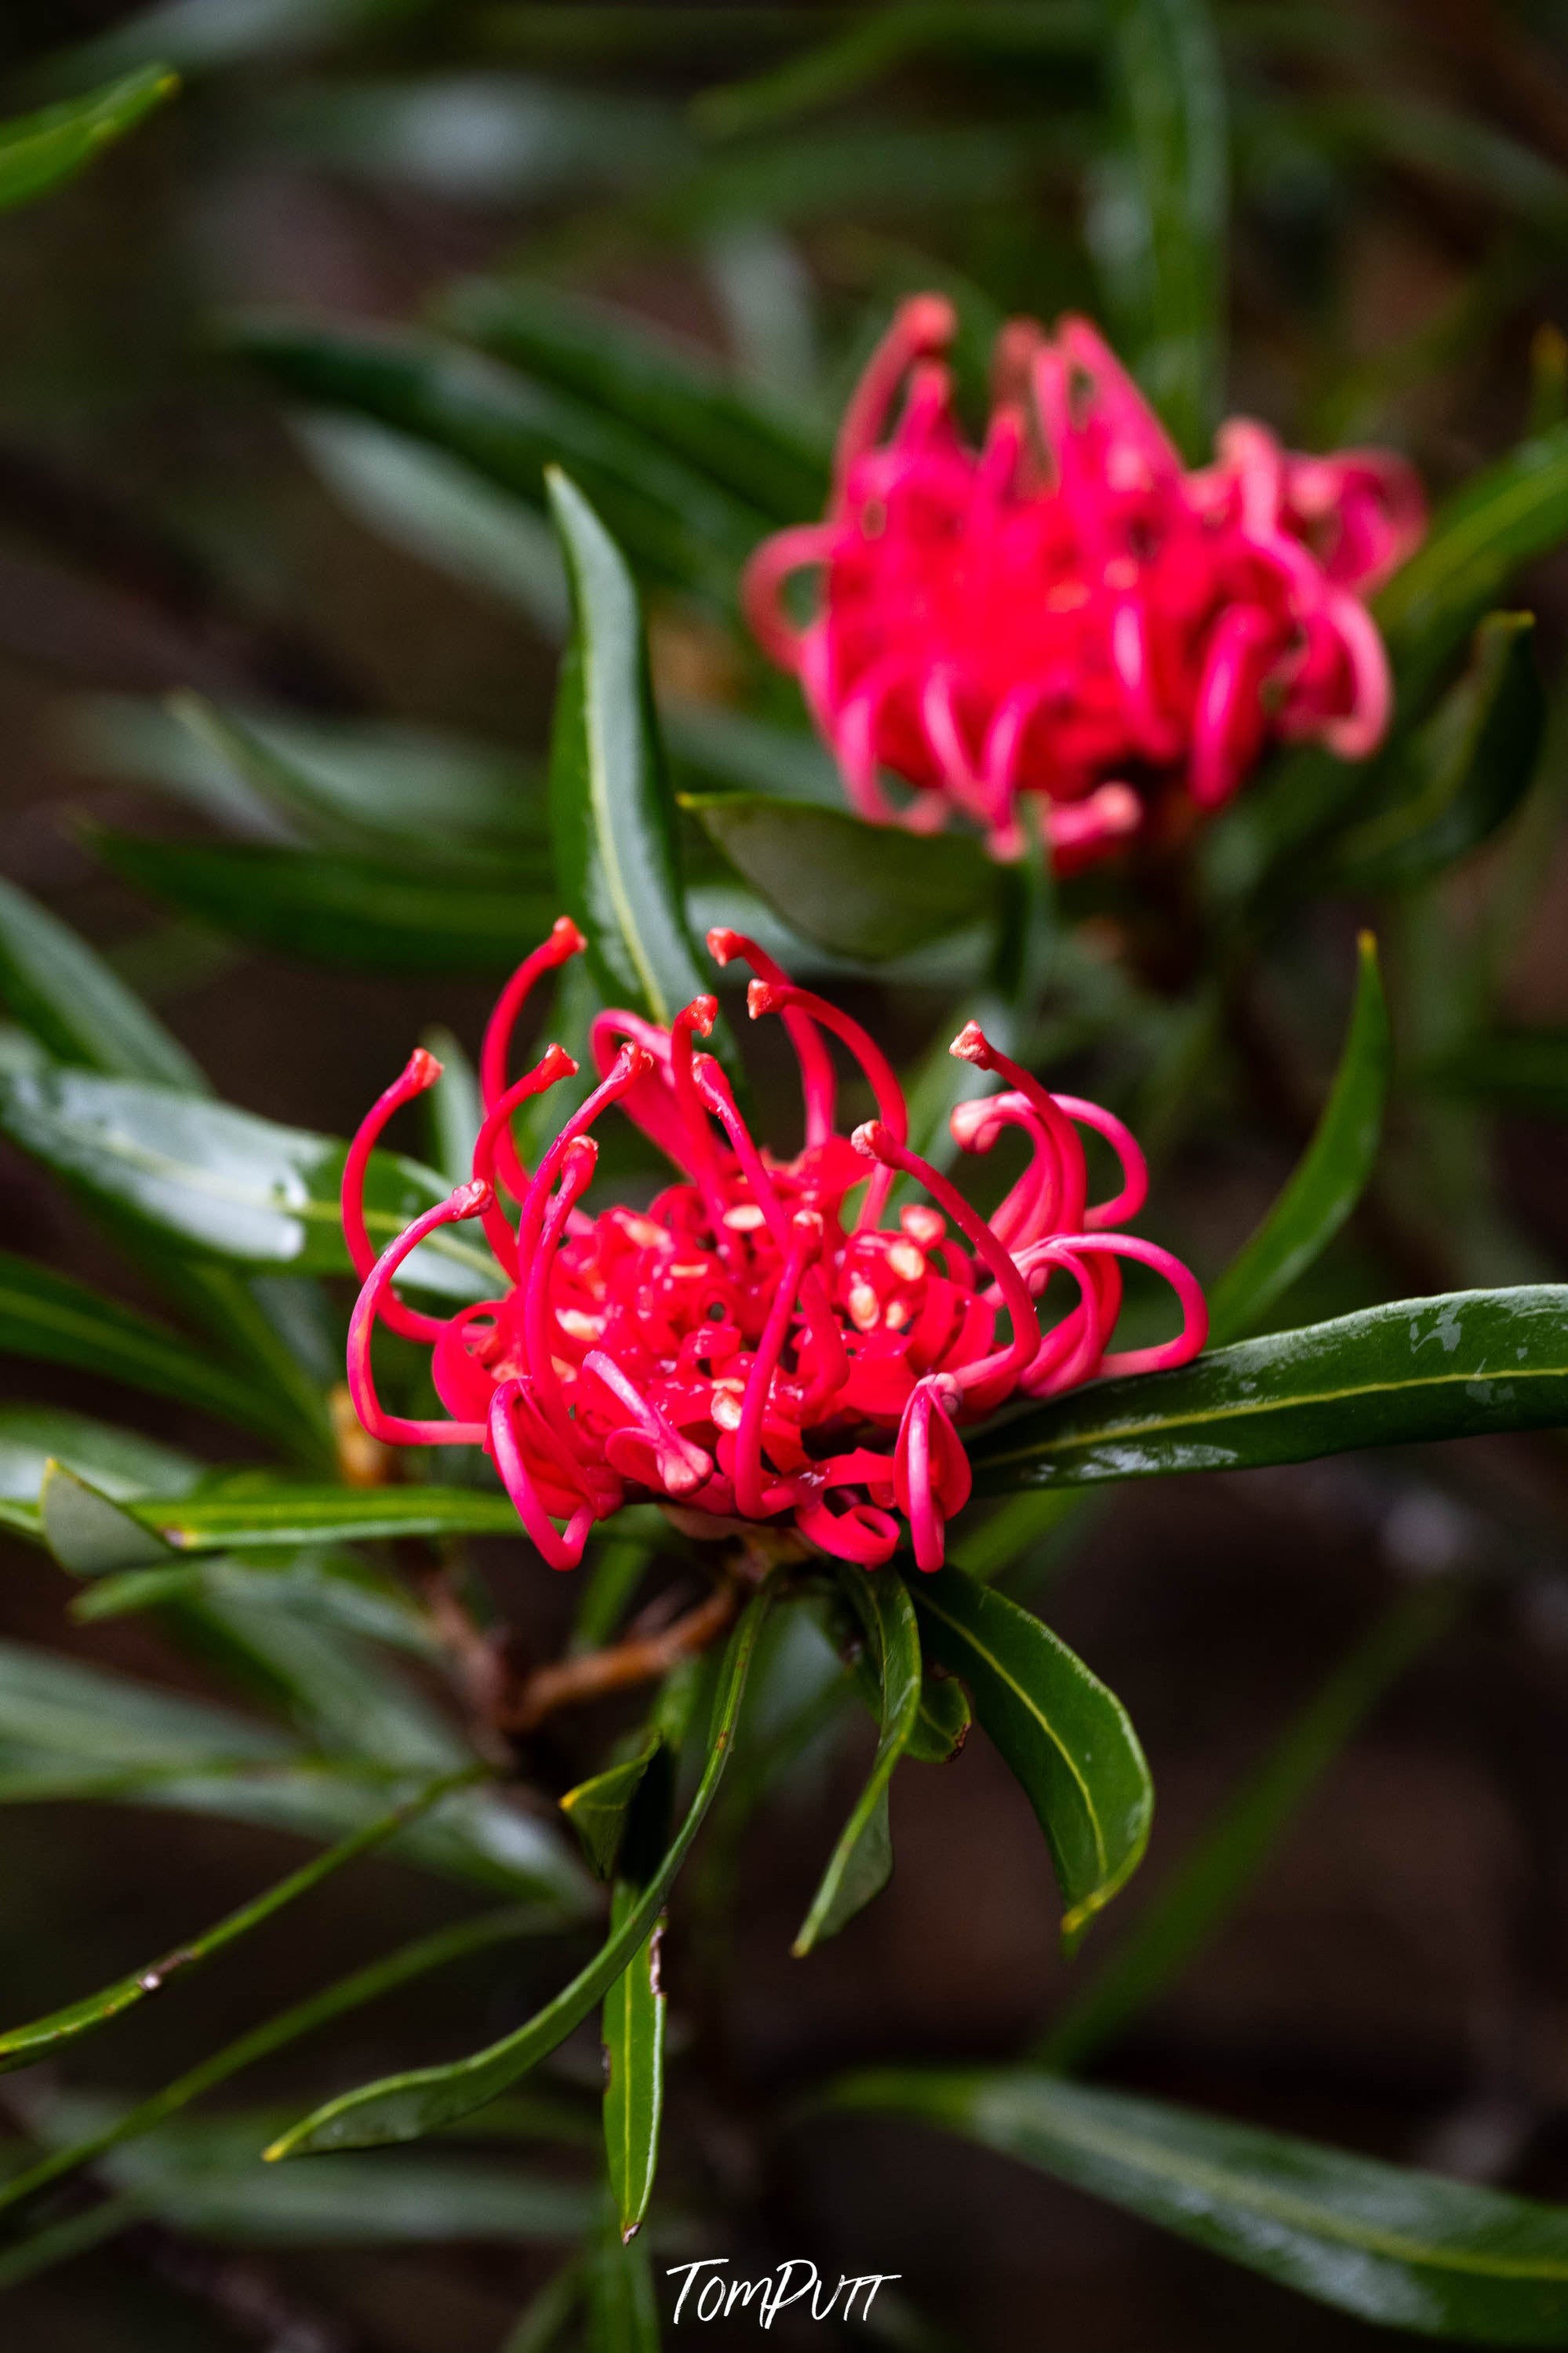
753 1345
1067 611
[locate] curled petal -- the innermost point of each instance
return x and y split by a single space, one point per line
932 1475
392 1429
421 1070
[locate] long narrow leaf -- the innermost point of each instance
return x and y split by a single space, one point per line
1068 1739
71 1001
1467 1364
862 1862
611 810
303 2017
1331 1177
403 2108
1407 2250
22 2046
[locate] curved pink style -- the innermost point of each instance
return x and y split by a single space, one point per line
758 1343
1067 612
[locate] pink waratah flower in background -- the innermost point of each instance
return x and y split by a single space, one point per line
1068 611
753 1345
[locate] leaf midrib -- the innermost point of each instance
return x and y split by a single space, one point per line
1250 1408
966 1634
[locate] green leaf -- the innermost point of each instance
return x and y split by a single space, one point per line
337 1589
941 1726
632 2027
67 1730
1464 775
22 2046
88 1534
869 892
118 1463
1160 231
862 1862
597 1809
38 150
73 1003
1066 1739
1501 520
1195 1899
317 2010
224 1183
1331 1174
618 365
49 1317
623 2308
678 525
208 2181
1408 2250
362 785
258 1512
611 812
1463 1365
331 909
402 2107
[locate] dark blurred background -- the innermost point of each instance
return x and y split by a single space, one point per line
1395 1979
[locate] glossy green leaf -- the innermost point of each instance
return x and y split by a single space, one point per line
1330 1177
402 2107
1198 1895
611 812
1066 1739
632 2029
864 890
262 1513
862 1862
22 2046
622 2307
49 1316
1502 519
597 1808
1403 2248
330 909
1464 1365
677 523
1160 231
1466 772
71 1001
617 363
38 150
225 1183
317 2010
118 1463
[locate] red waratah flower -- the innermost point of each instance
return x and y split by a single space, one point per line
1068 611
749 1348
